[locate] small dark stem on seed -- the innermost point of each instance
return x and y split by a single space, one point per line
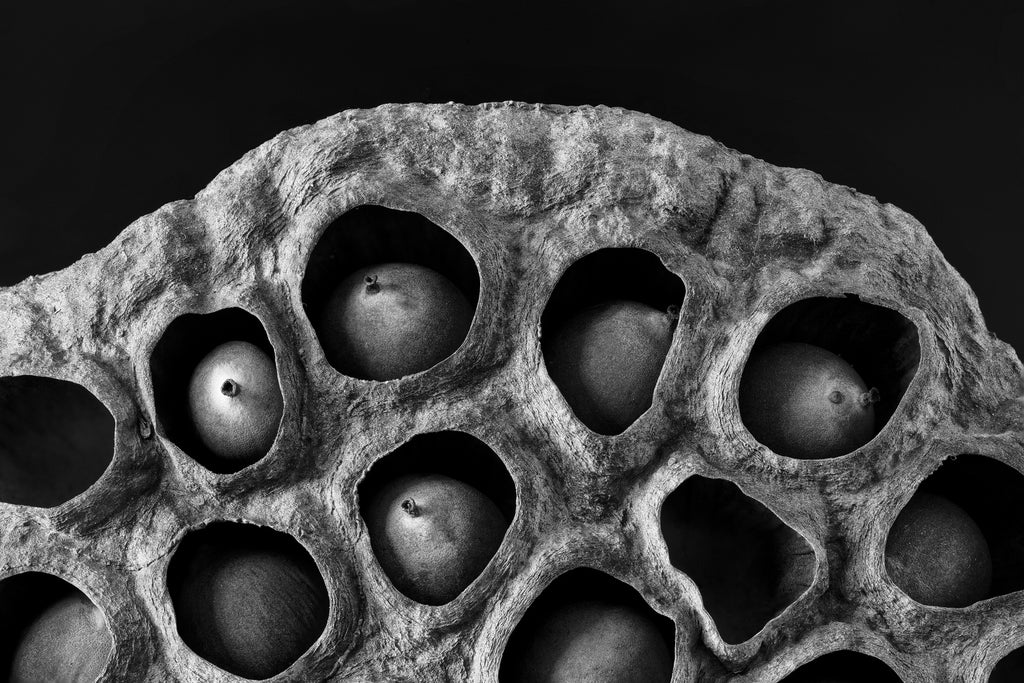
673 315
836 397
371 284
869 397
230 388
409 505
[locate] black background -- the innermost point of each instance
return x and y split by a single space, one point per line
111 110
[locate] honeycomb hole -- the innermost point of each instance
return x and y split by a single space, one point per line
879 343
185 343
588 626
248 599
606 331
422 332
56 440
747 563
50 630
1010 668
844 666
437 509
986 494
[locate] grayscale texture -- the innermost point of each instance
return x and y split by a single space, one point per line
528 190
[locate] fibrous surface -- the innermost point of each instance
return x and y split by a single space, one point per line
765 255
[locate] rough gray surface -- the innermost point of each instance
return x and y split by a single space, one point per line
528 189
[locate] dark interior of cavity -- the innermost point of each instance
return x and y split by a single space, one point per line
747 563
56 440
453 454
1010 668
992 493
23 598
371 234
844 666
609 274
200 548
880 343
582 584
185 343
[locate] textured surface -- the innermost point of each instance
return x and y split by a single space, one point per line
527 190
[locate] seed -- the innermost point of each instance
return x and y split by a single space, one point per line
235 401
606 361
433 535
69 641
393 319
589 641
803 401
937 555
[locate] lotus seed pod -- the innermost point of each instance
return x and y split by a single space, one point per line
235 401
805 402
512 198
937 555
433 535
606 361
594 641
68 642
393 319
250 611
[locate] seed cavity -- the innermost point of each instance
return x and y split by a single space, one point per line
230 388
409 505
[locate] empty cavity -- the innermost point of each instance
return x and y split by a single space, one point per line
747 563
844 666
56 440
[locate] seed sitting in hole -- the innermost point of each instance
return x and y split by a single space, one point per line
803 401
252 612
69 641
606 361
393 319
592 641
937 555
235 401
433 535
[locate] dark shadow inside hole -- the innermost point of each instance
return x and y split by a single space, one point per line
606 360
453 454
370 234
844 666
185 342
1010 668
575 587
247 598
992 493
23 599
56 440
747 563
615 273
880 343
